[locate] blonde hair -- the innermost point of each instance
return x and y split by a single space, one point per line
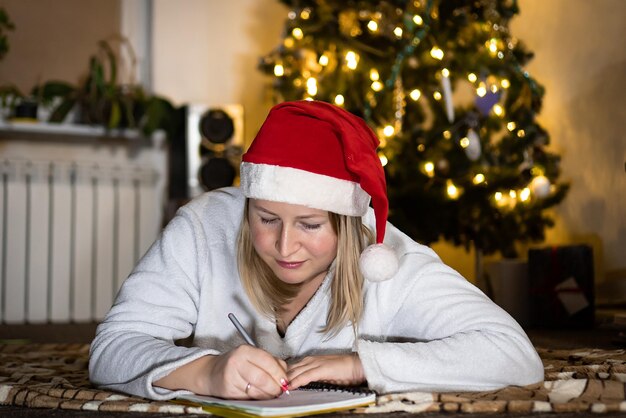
268 294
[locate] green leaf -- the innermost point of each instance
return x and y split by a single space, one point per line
116 115
52 89
158 115
110 55
96 79
59 114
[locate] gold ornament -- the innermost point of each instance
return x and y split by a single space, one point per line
349 23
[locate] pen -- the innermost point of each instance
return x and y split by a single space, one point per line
241 329
283 384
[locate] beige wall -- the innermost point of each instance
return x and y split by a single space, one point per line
581 60
206 51
54 39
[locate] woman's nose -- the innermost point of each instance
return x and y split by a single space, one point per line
287 242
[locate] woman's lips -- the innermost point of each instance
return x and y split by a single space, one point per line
289 264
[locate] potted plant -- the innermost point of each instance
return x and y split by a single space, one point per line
13 102
10 96
9 93
102 99
5 25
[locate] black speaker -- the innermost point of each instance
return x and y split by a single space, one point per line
212 149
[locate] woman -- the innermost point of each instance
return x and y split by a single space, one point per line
289 254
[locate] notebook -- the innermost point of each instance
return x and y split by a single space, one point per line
309 400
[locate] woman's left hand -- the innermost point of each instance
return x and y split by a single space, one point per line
343 369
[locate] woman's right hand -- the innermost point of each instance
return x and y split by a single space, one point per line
228 375
231 372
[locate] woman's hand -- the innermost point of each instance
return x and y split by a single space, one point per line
344 369
243 373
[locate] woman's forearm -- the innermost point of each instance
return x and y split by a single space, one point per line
193 376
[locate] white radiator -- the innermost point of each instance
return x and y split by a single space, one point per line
70 232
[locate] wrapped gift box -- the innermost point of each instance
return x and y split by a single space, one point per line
561 287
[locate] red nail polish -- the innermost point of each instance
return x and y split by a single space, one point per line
284 386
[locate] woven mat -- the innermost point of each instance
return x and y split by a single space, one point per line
581 380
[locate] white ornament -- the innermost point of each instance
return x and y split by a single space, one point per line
447 97
473 148
540 186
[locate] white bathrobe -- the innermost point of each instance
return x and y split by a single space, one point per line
425 329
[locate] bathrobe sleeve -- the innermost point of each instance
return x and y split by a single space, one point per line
156 305
435 331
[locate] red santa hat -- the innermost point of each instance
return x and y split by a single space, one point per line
321 156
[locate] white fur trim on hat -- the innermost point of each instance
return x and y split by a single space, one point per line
378 263
301 187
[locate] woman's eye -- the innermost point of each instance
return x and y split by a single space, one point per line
311 226
268 220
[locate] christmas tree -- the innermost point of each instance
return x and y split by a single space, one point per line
443 84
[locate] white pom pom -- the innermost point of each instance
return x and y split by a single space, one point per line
378 263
